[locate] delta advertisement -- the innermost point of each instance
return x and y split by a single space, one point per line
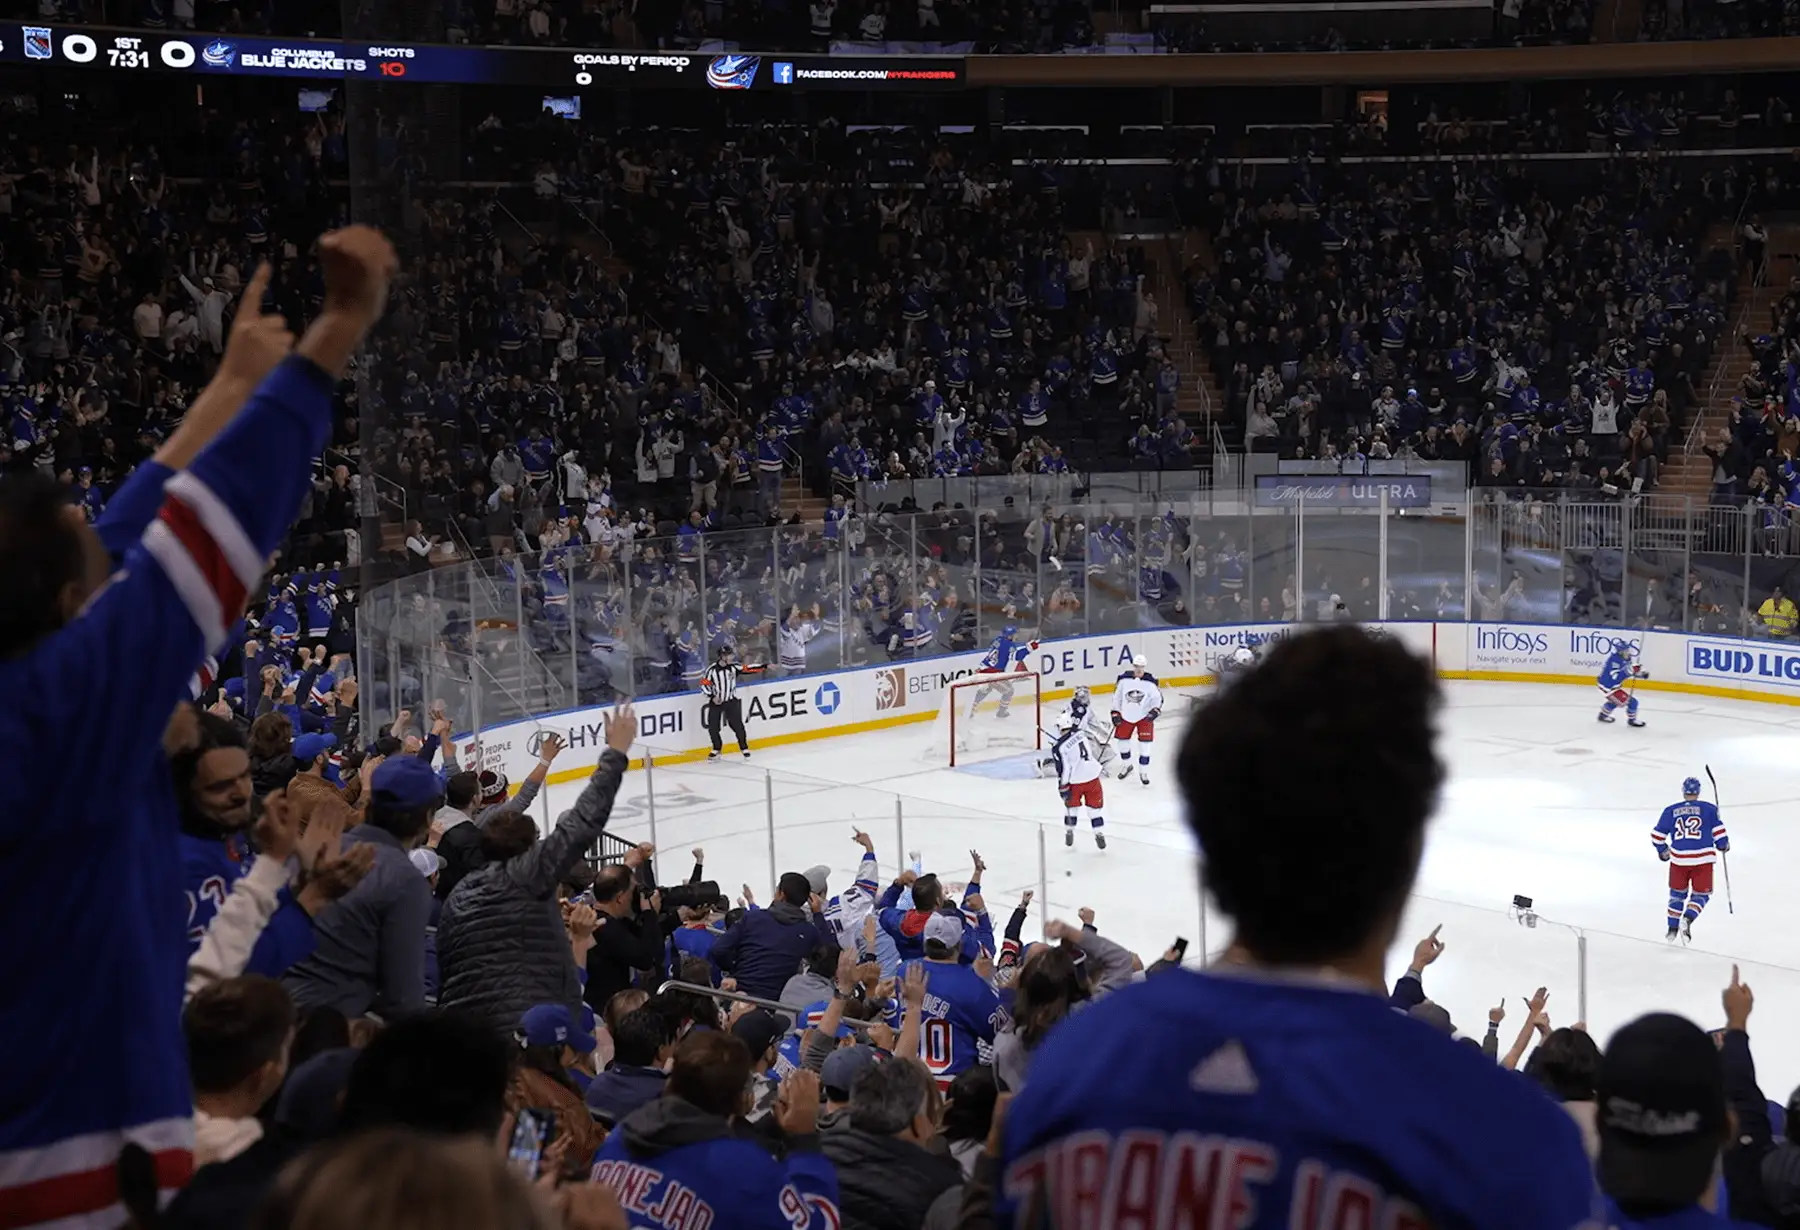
850 701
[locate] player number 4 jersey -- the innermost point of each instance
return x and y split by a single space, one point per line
1076 761
1137 697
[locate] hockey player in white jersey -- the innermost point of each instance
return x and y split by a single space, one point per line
1081 716
1137 702
1231 670
1078 777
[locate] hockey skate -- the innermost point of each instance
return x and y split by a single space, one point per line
1125 772
1145 778
1604 716
712 755
746 753
1069 841
1674 933
1636 721
1100 840
1687 932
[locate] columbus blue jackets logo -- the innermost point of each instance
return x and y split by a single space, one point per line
732 72
37 43
219 54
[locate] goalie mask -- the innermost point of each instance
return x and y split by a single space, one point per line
1082 699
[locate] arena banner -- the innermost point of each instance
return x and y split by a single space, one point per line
122 52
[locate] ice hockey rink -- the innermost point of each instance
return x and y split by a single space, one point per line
1542 801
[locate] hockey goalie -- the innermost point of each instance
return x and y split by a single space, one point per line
1080 716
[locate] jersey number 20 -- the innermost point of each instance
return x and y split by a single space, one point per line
934 1046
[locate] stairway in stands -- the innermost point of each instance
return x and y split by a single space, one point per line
1690 473
1201 399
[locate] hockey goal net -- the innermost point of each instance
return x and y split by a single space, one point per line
987 716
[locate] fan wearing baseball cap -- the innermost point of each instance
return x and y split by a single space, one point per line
1663 1118
554 1038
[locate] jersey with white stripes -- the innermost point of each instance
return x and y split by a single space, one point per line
1137 697
1691 832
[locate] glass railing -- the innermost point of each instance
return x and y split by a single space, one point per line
499 639
586 625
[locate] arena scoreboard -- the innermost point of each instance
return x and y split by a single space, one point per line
117 51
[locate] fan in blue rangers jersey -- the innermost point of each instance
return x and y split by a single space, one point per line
1619 669
1688 836
678 1161
211 779
962 1010
1278 1084
1003 656
220 495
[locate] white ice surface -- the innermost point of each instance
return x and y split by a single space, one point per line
1541 801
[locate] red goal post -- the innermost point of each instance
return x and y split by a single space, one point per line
988 716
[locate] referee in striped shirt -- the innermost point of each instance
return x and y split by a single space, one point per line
720 684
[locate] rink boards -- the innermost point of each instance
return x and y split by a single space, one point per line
833 703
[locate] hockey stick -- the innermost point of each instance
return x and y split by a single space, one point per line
1724 856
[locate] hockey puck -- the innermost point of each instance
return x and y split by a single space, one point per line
1068 873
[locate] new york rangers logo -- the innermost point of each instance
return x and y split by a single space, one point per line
732 72
219 54
38 45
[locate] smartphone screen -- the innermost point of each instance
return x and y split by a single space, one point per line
531 1132
1180 947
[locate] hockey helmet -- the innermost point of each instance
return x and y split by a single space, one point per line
1063 723
1140 661
1690 788
1083 696
1010 631
1625 649
1241 656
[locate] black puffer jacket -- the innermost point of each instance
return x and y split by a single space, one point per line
885 1183
501 946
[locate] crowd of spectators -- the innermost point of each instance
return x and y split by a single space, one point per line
404 1002
1546 333
1707 19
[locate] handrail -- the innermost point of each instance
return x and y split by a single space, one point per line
337 456
738 997
529 233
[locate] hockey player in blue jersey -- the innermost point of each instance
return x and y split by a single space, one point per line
1688 836
962 1010
1004 656
1232 1087
1619 669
